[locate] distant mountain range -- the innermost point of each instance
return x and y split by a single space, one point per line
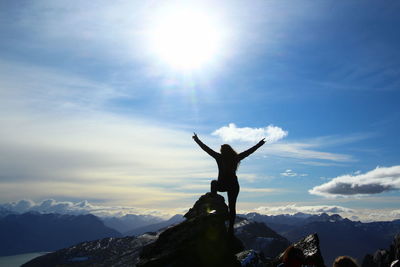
258 236
34 232
131 221
155 227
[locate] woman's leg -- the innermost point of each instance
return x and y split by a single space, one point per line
214 186
232 197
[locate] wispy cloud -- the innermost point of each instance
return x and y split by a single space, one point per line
379 180
60 142
85 24
233 133
45 88
305 150
291 173
259 190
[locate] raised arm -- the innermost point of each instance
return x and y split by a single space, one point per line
209 151
251 150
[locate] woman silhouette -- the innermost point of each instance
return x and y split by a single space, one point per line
228 162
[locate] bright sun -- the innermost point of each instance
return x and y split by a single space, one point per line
185 39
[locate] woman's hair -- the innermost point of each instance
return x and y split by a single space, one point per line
229 156
345 261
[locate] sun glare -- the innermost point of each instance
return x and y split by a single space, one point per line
185 39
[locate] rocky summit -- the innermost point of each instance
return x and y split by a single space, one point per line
209 204
310 247
201 240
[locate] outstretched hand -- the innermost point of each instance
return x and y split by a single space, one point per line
195 137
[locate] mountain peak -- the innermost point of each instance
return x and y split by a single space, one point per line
302 215
208 204
335 218
201 240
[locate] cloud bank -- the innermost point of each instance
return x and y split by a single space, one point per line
76 208
232 133
379 180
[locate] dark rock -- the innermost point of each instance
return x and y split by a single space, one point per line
395 247
209 203
382 257
312 252
202 240
368 261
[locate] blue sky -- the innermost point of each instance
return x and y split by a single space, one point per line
98 102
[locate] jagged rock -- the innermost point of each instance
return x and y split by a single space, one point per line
107 252
202 240
258 236
312 252
382 257
395 248
209 203
368 261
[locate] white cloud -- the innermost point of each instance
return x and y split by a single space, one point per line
80 207
379 180
291 173
49 206
288 172
232 133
